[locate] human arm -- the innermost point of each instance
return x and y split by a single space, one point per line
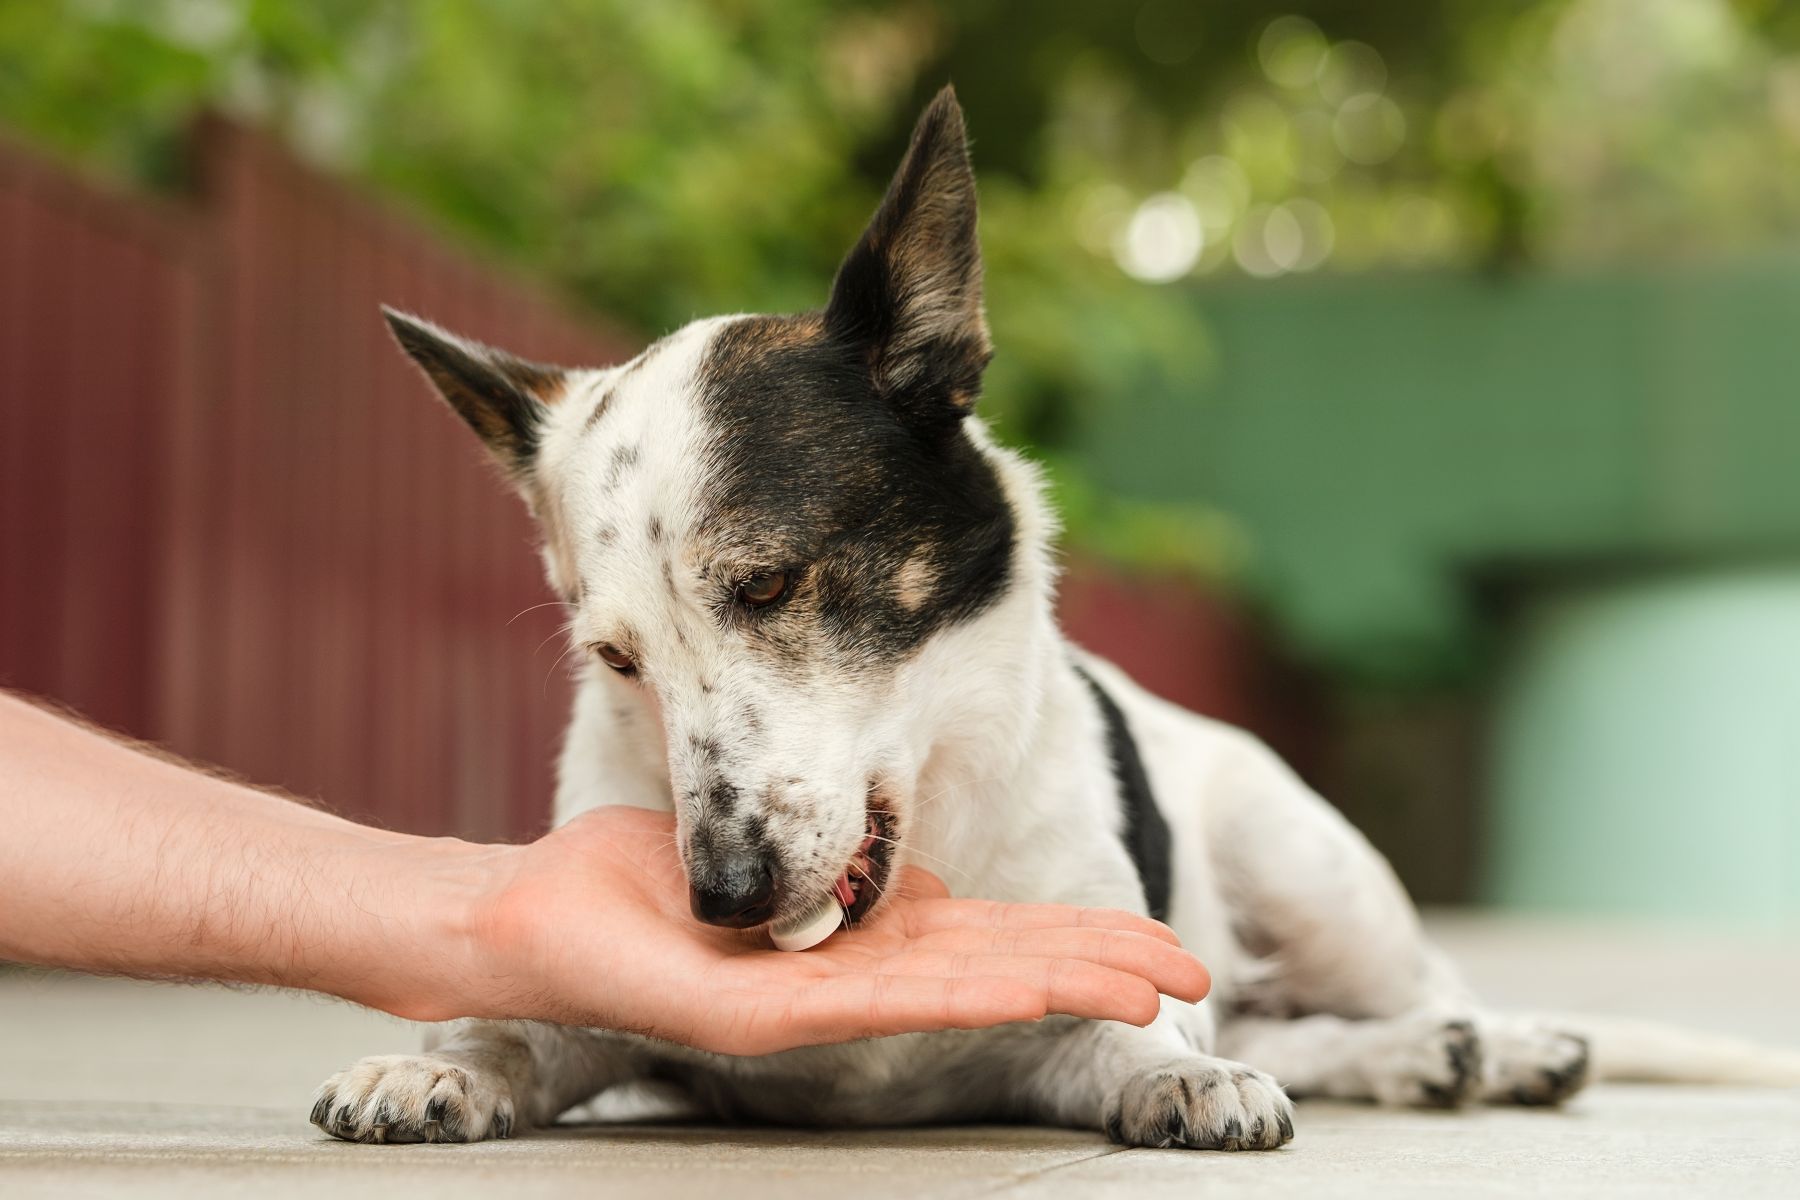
121 861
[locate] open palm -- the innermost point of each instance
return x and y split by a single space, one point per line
590 926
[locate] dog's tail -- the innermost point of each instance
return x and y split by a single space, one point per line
1623 1050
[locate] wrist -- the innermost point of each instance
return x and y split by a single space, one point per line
435 959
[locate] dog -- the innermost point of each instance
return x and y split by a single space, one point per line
816 596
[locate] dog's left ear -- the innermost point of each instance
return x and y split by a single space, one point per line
908 295
503 398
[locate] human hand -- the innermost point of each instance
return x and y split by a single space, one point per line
590 926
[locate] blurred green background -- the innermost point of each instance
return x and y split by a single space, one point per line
1455 340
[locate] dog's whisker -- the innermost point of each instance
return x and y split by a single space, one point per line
559 661
534 608
915 852
880 892
560 631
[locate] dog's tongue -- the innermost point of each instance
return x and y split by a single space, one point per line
860 865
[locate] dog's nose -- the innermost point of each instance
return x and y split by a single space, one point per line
737 892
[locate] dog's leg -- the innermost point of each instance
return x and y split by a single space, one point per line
1427 1060
1392 1019
1153 1087
485 1079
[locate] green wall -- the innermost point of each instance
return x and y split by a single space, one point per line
1382 439
1386 444
1647 751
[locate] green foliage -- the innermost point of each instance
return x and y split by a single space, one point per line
668 159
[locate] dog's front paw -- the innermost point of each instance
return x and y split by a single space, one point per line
1200 1104
413 1098
1532 1063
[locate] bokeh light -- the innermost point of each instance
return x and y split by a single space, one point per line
1350 69
1291 51
1219 190
1162 240
1369 128
1169 31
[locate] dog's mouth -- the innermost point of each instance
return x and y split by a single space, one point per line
865 880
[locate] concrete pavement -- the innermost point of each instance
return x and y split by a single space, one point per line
110 1087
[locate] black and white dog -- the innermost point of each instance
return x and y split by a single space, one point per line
818 598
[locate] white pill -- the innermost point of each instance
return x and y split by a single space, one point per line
808 931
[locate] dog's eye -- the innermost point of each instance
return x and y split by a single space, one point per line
616 658
760 591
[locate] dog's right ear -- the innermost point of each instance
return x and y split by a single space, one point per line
503 398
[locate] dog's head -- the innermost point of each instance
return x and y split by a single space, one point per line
761 522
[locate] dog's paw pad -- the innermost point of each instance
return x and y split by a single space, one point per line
1435 1063
1534 1064
413 1098
1200 1105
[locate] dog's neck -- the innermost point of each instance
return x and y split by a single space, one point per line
994 693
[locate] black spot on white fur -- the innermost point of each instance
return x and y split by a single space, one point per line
623 459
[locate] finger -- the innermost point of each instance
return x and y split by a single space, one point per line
1169 969
929 916
1068 985
872 1005
916 883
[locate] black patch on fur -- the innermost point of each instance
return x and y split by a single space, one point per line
502 398
600 409
1462 1050
622 460
820 474
1146 833
604 405
1555 1085
840 446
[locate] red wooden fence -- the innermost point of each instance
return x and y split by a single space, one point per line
232 518
95 292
